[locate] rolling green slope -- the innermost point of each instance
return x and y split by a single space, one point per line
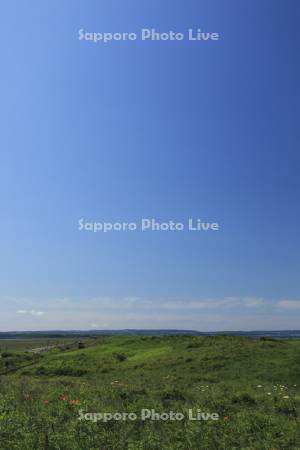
252 385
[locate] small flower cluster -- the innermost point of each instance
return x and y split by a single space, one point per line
65 399
203 388
68 400
278 389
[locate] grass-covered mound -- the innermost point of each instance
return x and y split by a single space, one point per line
251 384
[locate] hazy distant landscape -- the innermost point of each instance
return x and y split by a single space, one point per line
291 334
251 384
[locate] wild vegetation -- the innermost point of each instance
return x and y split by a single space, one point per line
253 386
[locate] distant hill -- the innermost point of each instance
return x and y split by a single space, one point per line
282 334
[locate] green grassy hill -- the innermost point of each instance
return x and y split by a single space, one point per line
251 384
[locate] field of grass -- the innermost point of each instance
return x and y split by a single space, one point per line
13 345
253 386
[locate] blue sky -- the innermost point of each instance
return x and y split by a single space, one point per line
169 130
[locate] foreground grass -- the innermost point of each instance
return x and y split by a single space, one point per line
252 385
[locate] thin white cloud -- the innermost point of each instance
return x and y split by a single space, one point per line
225 303
289 304
32 312
109 312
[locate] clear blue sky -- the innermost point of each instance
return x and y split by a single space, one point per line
169 130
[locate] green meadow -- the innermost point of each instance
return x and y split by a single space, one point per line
54 399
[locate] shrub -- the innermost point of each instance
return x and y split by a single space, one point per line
120 357
6 354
